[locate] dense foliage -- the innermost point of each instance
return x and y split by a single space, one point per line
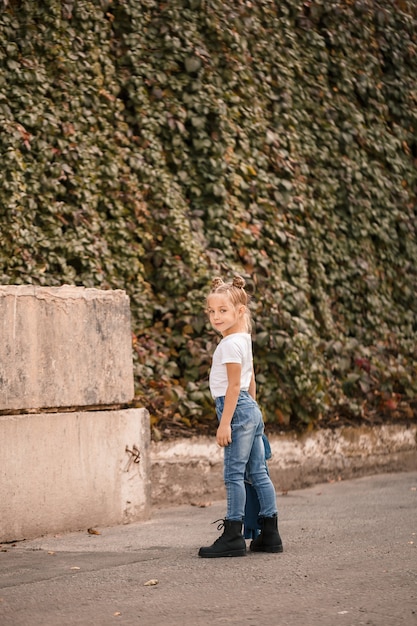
151 145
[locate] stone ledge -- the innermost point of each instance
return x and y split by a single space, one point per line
191 470
64 346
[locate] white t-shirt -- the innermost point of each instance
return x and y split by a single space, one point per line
235 348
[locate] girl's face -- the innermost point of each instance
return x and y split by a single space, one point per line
223 316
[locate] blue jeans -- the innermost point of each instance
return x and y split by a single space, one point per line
246 453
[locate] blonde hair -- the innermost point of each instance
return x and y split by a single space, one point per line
235 291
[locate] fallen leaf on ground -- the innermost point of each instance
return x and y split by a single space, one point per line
201 505
151 583
93 531
75 567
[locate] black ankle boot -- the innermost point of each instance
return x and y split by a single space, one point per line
230 543
269 539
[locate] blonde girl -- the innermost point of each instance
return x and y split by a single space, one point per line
240 429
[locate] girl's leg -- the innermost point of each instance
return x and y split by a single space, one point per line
237 453
269 539
259 477
236 456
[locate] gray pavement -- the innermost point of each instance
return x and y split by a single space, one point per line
350 558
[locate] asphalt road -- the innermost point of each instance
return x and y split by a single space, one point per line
350 558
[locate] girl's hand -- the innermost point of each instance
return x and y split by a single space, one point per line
224 435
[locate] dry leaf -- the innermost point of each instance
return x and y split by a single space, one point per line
75 567
117 614
93 531
151 583
51 552
201 505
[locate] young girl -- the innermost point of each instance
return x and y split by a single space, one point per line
232 385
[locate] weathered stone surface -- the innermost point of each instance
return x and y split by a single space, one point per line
191 470
71 471
64 347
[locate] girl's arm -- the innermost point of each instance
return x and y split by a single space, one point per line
224 431
252 386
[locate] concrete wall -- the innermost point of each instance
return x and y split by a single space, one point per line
68 470
191 470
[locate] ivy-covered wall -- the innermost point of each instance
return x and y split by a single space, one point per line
150 146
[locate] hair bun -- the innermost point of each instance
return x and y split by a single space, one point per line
239 282
216 282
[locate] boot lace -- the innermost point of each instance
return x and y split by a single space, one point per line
221 525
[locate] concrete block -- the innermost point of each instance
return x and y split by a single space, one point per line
71 471
64 347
